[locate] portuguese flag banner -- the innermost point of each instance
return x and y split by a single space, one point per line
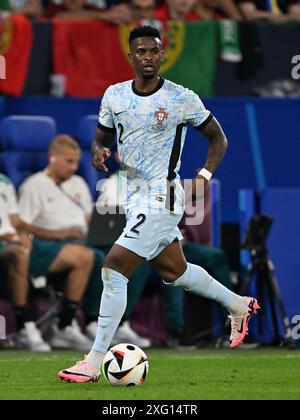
93 55
191 55
15 48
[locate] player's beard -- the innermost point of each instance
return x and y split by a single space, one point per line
148 76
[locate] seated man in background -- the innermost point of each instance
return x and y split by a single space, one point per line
14 256
82 10
56 205
21 257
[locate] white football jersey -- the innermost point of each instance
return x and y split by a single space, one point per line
151 129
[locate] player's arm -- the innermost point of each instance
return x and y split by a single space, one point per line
218 144
216 151
101 146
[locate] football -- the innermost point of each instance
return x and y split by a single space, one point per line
126 365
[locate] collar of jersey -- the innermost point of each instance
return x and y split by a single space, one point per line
160 84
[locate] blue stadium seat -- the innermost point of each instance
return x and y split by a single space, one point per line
24 142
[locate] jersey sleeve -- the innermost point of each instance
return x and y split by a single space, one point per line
106 120
194 111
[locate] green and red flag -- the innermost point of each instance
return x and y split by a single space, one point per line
15 49
93 55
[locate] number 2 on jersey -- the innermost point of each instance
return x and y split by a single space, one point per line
121 130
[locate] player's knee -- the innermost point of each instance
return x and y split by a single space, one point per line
170 272
169 277
112 261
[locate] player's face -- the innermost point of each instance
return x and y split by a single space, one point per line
146 55
66 163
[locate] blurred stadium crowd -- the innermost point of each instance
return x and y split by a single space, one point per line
127 11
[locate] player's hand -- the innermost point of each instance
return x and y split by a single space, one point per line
99 157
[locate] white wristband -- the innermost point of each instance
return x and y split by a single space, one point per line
205 173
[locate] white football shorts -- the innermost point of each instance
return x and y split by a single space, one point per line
147 234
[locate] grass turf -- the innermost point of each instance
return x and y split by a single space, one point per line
174 375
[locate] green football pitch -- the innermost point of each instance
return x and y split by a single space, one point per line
174 375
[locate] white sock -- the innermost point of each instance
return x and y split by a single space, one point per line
197 281
112 307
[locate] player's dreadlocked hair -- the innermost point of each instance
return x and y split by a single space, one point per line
143 31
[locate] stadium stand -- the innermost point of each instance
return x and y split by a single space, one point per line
24 141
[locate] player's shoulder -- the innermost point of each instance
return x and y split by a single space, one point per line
118 88
176 89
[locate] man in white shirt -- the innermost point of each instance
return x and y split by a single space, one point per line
56 206
39 259
14 256
56 203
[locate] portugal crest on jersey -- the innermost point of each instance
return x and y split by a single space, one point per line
161 116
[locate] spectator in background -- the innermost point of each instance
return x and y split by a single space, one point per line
142 9
44 258
81 10
56 204
217 9
31 8
260 9
14 257
293 9
177 10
